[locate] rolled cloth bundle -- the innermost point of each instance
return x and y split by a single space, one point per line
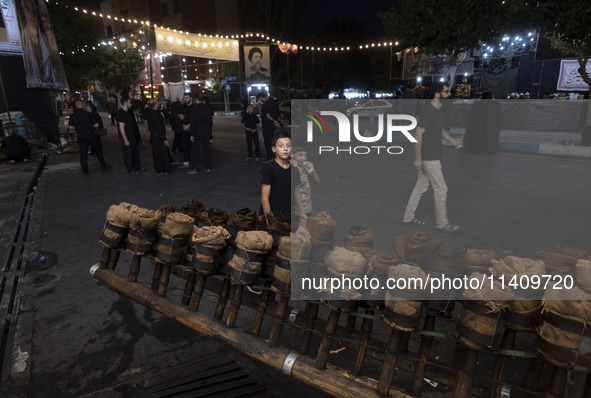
142 234
583 274
173 235
281 283
562 260
245 219
247 262
399 313
479 257
480 315
116 226
208 242
414 247
564 333
280 222
321 227
195 209
380 262
358 237
511 265
215 217
341 261
300 245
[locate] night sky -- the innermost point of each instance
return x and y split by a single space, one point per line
319 12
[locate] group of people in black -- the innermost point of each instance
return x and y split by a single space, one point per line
269 118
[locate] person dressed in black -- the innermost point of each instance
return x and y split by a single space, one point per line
250 124
96 119
185 117
82 120
112 108
16 148
270 122
129 144
200 135
177 126
484 126
154 121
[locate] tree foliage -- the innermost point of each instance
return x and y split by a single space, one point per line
117 67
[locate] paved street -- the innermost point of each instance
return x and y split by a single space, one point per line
82 338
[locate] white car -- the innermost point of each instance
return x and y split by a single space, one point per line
375 106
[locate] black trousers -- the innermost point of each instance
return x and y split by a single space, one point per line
131 154
196 146
160 154
250 139
268 131
187 146
91 140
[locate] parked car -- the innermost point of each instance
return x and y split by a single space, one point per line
285 110
376 106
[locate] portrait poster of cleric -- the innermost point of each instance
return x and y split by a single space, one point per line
257 63
43 66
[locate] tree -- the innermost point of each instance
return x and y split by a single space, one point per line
453 27
73 33
117 67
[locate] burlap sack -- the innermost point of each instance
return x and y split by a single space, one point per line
165 210
195 209
583 274
381 262
441 264
210 236
525 306
247 261
284 248
341 261
119 215
358 237
474 256
245 219
511 265
495 297
569 251
321 227
558 263
176 225
412 248
300 245
143 219
572 303
254 241
215 217
483 325
399 313
279 222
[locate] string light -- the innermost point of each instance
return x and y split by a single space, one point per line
259 35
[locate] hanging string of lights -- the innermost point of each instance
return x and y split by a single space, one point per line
261 36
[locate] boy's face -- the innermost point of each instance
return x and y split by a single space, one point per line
282 148
249 109
301 157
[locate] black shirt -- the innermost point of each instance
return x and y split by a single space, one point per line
82 121
124 117
268 108
155 122
250 120
281 186
432 121
187 110
200 121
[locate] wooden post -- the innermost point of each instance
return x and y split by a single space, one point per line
189 285
329 331
265 298
464 381
352 319
278 322
114 258
587 389
134 270
557 383
198 289
222 300
237 292
392 349
424 351
105 256
532 375
366 326
156 276
311 316
404 340
164 279
507 343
